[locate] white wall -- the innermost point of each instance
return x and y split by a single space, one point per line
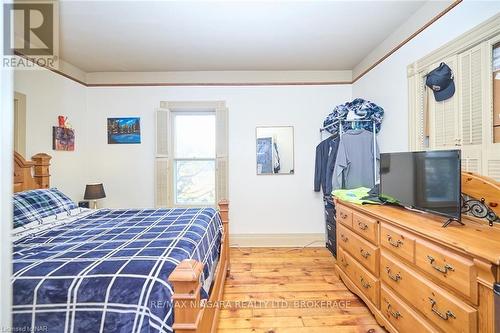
259 204
49 95
387 84
280 204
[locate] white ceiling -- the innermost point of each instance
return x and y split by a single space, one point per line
102 36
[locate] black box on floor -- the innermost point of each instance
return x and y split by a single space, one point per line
330 245
84 204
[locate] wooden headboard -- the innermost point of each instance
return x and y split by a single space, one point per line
486 191
30 175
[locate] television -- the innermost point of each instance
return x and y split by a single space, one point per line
428 181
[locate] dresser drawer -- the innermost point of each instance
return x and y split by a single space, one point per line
345 262
366 227
362 250
398 242
401 315
344 215
442 308
452 269
364 280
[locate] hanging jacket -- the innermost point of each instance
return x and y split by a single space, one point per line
330 165
325 154
361 108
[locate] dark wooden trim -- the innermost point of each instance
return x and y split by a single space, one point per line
19 54
400 45
68 76
242 84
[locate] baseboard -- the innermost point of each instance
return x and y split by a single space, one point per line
277 240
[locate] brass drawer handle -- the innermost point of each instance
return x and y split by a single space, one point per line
344 238
344 262
444 270
343 215
395 314
362 226
445 316
393 243
365 285
393 277
364 253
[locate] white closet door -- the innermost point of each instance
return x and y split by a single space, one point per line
444 116
222 154
471 101
163 182
421 119
493 169
470 87
471 160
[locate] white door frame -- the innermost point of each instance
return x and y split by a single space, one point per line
6 150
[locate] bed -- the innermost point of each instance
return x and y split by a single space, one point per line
120 270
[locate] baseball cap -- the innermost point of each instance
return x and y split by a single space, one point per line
440 80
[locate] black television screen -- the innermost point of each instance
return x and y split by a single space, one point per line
428 181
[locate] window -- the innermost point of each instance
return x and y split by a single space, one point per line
191 164
194 158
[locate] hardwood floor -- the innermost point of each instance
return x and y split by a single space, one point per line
283 290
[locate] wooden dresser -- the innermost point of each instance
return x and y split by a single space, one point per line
416 276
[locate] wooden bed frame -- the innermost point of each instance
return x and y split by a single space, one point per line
191 315
30 175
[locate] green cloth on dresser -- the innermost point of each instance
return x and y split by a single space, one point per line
355 195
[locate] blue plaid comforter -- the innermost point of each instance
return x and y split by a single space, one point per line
107 271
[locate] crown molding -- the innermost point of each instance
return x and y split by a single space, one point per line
228 78
218 78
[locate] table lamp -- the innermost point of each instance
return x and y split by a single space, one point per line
94 192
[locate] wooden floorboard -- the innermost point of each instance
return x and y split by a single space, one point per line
283 290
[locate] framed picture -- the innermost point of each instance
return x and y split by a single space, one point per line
63 138
124 130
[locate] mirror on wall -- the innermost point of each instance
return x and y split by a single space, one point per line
275 154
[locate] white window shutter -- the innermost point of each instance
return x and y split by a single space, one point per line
472 159
162 159
471 108
422 113
222 154
444 114
162 132
494 169
162 182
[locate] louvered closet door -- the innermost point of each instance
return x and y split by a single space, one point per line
444 117
421 123
470 90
